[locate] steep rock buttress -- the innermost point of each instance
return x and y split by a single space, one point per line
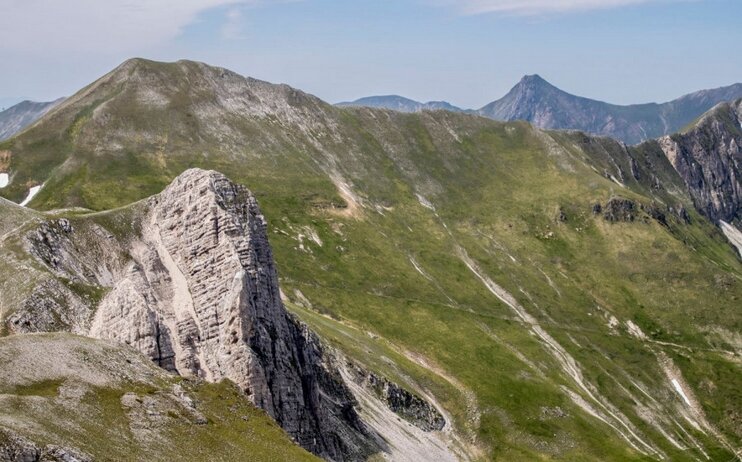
201 297
708 158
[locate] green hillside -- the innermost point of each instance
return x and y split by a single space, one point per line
458 254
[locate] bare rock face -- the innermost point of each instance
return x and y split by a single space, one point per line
188 279
709 160
200 297
405 404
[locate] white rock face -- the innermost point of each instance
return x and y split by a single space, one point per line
4 180
201 297
192 285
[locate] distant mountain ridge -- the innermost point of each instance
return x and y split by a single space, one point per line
537 101
16 118
401 104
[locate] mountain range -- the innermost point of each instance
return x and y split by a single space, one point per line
380 284
16 118
400 103
537 101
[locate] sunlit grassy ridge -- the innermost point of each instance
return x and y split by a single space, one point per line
372 216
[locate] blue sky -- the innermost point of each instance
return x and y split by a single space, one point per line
468 52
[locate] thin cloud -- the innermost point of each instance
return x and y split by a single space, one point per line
232 27
541 7
97 26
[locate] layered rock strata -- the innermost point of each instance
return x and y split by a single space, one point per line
708 158
200 297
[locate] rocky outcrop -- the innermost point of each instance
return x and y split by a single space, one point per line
15 448
619 209
407 405
51 307
200 297
192 285
708 158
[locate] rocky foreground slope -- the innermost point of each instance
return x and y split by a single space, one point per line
118 406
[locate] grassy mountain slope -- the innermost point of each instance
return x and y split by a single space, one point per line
456 253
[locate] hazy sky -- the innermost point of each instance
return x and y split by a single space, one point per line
468 52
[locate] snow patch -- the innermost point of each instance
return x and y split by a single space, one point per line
680 391
733 234
4 180
31 193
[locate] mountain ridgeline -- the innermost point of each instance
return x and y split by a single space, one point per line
399 103
16 118
451 287
537 101
708 156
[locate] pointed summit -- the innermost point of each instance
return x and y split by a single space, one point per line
537 101
533 83
526 100
533 79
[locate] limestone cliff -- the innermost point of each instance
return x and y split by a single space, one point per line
200 297
187 277
708 158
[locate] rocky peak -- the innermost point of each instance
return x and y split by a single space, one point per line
708 157
533 81
201 298
535 100
532 87
191 283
